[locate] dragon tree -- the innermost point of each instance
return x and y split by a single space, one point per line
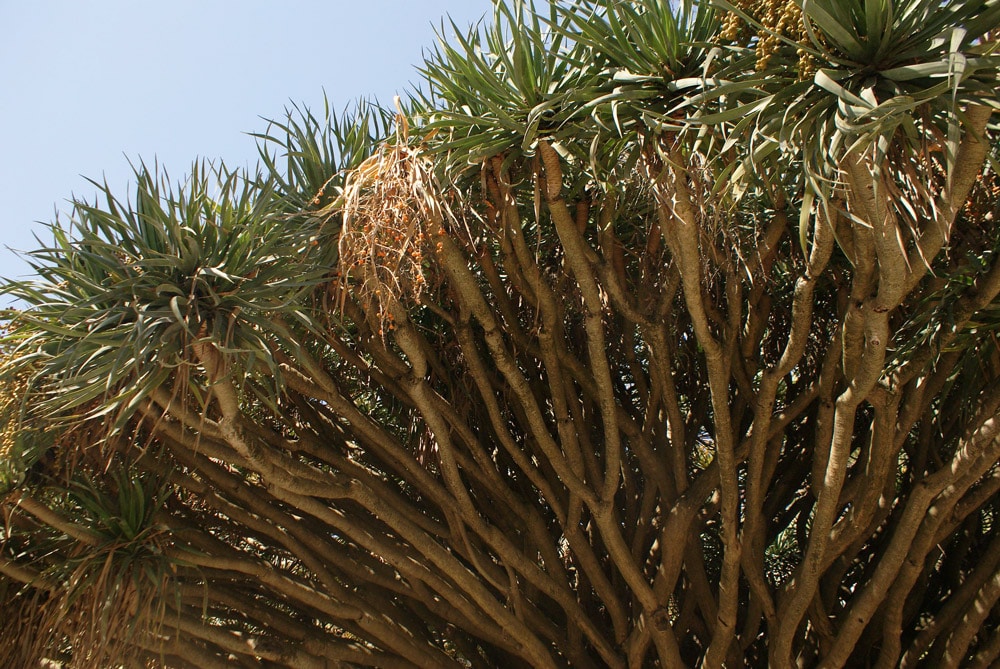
640 334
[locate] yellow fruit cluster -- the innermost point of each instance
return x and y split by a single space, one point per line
777 19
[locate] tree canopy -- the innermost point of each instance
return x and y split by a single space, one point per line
641 334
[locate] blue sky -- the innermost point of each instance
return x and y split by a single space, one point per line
86 86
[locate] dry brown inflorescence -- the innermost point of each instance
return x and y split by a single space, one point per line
392 215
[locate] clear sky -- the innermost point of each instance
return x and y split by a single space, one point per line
87 85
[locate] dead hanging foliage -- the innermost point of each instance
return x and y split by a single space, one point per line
94 608
393 213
